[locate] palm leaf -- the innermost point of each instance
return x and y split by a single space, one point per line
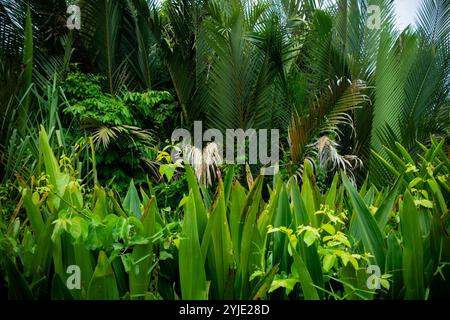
330 111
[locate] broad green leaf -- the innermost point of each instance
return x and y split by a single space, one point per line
142 256
328 262
394 265
33 213
191 265
58 180
201 212
434 186
237 203
329 228
262 288
228 183
288 284
167 170
308 195
217 235
413 264
306 282
103 284
18 288
59 289
309 254
84 259
282 219
27 76
354 282
101 205
384 211
330 198
370 195
371 235
43 254
132 203
248 218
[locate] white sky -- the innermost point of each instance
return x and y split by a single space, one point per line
406 11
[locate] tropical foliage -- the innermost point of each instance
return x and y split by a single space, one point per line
94 206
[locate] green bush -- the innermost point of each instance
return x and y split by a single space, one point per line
106 117
79 86
87 101
300 244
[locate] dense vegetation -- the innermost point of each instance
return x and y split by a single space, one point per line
357 210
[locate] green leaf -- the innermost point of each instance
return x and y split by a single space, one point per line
264 286
424 203
288 284
59 289
142 256
415 182
306 282
101 205
309 254
308 196
282 219
384 211
33 213
200 211
330 198
218 240
27 77
371 235
58 180
329 228
18 288
309 237
228 183
237 203
385 283
394 265
328 262
248 250
132 203
103 284
413 268
191 265
437 193
43 254
167 170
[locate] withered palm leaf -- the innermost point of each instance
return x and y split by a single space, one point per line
205 162
106 135
330 111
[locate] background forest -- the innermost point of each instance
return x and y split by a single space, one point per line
357 210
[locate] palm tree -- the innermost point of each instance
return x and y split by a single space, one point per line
406 75
315 69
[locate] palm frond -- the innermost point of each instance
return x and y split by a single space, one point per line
330 111
243 72
101 30
433 20
206 163
178 44
105 136
393 66
330 159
